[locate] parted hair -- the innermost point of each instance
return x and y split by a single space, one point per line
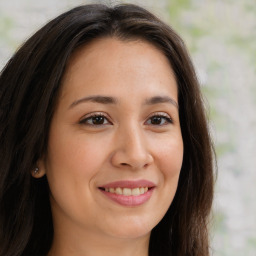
29 86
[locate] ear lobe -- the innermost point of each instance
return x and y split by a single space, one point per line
39 170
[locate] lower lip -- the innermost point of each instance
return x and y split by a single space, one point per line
129 200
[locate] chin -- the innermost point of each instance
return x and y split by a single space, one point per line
131 228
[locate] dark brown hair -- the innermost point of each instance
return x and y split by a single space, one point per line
29 86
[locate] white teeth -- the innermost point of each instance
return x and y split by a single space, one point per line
142 190
127 191
119 191
135 191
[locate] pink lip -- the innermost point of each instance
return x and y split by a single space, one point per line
129 184
129 200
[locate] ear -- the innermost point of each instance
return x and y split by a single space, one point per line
39 170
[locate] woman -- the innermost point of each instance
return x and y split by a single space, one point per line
104 140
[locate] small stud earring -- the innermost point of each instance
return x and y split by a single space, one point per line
36 170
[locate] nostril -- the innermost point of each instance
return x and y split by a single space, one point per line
124 164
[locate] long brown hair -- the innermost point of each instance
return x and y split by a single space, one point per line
29 86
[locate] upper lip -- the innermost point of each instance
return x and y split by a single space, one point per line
128 184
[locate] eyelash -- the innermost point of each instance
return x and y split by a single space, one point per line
91 116
162 116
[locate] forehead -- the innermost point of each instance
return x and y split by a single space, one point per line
109 63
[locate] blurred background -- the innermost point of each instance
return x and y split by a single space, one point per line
221 38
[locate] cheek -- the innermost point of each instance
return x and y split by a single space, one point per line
73 156
170 156
72 163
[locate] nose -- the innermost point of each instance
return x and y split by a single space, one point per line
131 149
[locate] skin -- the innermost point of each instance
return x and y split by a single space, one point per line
128 145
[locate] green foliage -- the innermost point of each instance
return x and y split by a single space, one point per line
221 36
176 7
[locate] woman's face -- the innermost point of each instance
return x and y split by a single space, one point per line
115 147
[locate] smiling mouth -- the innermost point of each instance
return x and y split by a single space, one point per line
127 191
128 197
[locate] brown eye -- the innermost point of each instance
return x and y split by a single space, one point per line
159 120
98 120
95 120
156 120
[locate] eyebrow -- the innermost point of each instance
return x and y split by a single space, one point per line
161 99
111 100
96 99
